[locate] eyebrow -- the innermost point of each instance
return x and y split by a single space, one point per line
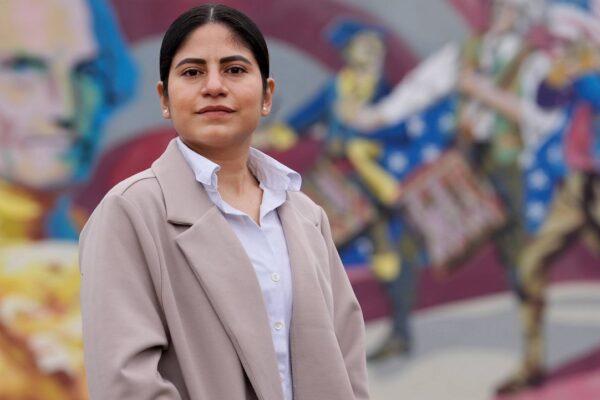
24 58
223 60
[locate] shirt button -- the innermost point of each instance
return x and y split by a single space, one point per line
278 325
275 277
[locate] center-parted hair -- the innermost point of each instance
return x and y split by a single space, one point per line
242 27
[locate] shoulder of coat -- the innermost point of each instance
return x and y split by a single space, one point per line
144 181
305 206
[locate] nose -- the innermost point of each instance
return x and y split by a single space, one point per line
62 93
213 84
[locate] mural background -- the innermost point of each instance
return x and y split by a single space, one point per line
440 135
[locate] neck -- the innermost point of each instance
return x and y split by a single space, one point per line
234 175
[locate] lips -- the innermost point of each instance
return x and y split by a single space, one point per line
215 109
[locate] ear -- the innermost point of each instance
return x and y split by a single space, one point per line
268 98
164 100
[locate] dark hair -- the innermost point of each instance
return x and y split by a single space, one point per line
239 23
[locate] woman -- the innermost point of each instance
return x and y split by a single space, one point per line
209 275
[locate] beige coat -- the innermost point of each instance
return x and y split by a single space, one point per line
172 308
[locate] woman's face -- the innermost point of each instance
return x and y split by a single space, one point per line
215 94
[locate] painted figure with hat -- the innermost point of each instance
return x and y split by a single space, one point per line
573 85
359 83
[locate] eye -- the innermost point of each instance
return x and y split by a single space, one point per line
24 64
235 70
191 72
87 68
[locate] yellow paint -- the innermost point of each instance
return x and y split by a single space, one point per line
18 212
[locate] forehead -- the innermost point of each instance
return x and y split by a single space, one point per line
46 28
213 40
367 37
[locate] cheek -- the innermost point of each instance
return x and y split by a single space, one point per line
88 97
18 98
253 97
16 116
181 98
253 110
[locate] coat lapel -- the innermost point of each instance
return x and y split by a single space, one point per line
223 269
307 310
313 340
298 231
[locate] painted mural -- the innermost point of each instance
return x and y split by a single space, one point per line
64 69
454 145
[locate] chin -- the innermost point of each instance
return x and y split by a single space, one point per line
217 140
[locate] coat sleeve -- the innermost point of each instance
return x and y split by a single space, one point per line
123 328
348 318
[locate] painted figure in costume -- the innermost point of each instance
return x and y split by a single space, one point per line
415 125
359 83
63 71
572 84
496 56
490 75
493 139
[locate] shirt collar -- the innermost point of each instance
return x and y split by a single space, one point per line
204 169
270 173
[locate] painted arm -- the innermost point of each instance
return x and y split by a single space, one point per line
284 135
123 330
431 80
313 111
483 89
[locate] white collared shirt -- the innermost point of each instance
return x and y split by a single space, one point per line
265 244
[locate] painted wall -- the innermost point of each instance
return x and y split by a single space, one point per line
443 138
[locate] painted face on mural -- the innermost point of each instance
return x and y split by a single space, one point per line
47 95
366 50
